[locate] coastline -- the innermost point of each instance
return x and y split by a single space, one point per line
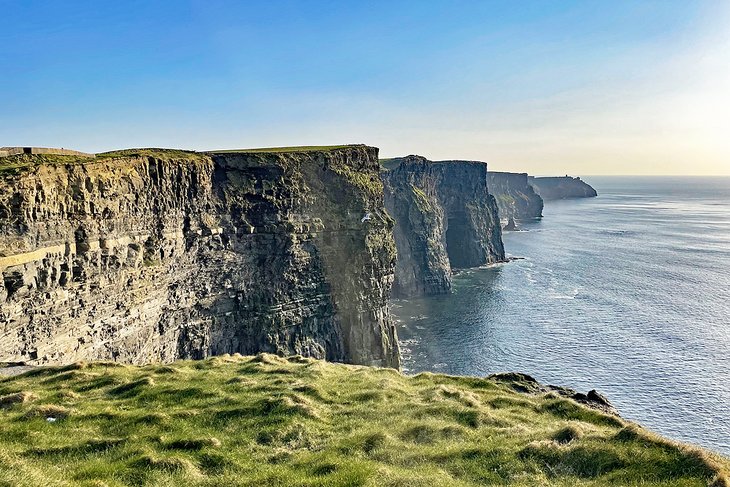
564 316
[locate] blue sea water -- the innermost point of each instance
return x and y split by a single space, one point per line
627 293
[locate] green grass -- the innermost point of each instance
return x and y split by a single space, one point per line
15 164
301 148
299 422
164 154
421 199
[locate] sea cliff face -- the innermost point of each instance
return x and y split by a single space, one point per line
559 188
516 198
444 218
154 255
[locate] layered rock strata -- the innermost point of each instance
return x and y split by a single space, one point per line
563 187
444 218
516 199
154 255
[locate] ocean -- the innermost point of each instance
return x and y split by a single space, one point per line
627 293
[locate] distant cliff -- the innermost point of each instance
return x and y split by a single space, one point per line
149 255
444 218
559 188
515 197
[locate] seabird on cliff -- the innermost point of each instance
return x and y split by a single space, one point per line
366 218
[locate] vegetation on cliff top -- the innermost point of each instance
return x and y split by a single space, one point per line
186 154
300 148
300 422
164 154
13 164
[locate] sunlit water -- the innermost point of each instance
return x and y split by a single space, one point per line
627 293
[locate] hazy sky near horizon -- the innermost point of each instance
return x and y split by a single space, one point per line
546 87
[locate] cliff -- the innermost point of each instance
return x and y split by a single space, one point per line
515 197
299 422
559 188
156 255
444 218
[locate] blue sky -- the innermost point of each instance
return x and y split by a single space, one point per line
549 87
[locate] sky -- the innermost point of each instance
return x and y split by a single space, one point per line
545 87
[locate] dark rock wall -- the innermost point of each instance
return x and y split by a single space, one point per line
445 218
183 255
515 197
422 264
558 188
473 232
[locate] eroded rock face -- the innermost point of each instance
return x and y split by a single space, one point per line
445 218
563 187
515 197
422 264
162 255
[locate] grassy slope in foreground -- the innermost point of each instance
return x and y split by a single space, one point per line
290 422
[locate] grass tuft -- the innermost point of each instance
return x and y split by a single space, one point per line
567 434
22 397
196 444
48 411
166 369
85 448
132 388
170 464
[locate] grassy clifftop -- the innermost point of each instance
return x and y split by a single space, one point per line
297 148
14 164
272 421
